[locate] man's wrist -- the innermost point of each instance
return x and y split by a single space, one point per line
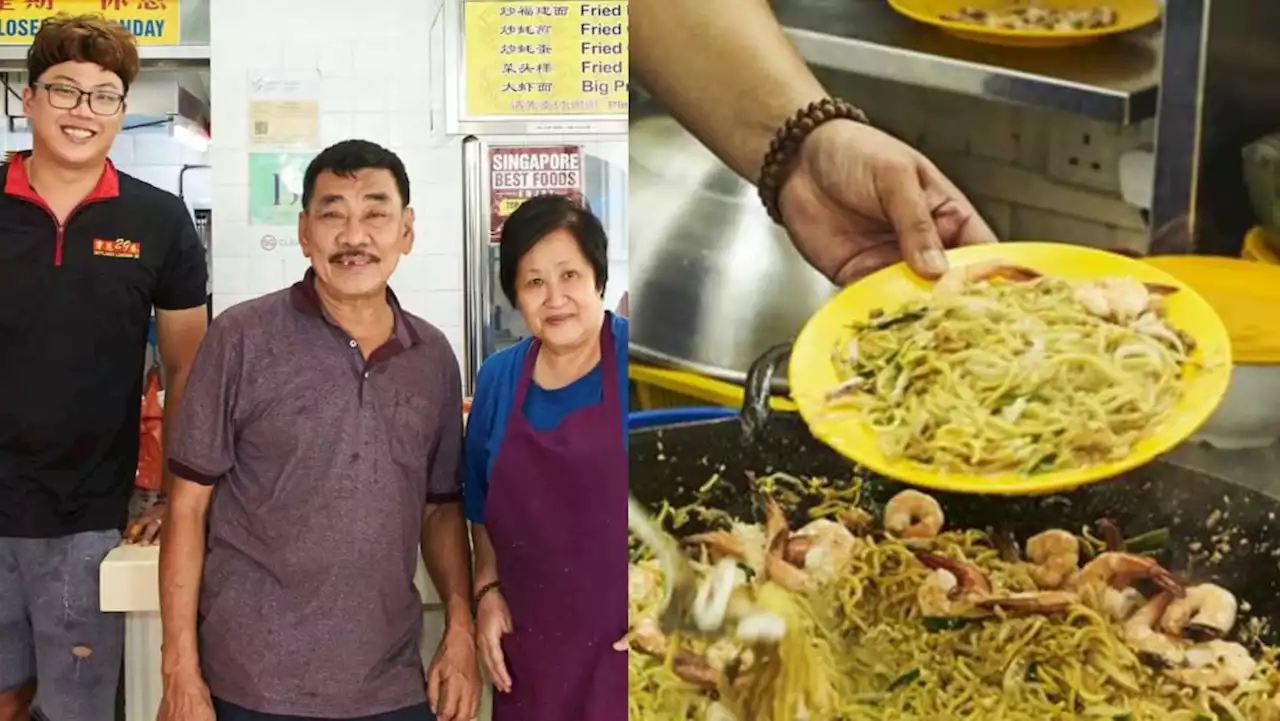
489 589
183 668
786 151
458 617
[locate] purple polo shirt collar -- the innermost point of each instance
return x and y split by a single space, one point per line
306 300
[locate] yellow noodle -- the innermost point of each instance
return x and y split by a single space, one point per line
852 639
1007 377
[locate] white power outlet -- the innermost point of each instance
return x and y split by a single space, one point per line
1087 153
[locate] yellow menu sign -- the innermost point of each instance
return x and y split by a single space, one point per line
545 58
152 22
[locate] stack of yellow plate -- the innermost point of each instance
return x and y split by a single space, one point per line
1258 248
1246 295
670 388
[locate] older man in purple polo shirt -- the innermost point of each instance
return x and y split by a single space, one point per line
320 439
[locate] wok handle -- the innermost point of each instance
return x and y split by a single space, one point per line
758 392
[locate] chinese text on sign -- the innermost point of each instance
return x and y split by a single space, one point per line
546 58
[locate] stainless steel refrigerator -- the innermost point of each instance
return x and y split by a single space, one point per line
499 174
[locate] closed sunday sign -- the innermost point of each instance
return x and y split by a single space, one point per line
152 22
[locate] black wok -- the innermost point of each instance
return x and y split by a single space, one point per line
1240 551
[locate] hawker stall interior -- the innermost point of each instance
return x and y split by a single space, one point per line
939 597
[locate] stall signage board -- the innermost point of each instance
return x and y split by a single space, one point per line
519 173
152 22
538 59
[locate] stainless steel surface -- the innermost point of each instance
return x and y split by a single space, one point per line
1114 80
1258 469
713 281
1178 125
475 258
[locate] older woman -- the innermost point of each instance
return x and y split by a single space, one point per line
546 484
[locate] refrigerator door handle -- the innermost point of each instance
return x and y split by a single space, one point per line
475 260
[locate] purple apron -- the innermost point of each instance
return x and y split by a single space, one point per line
556 515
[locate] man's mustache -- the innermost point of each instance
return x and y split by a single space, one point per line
344 255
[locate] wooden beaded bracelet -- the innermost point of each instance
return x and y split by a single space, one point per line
475 602
780 161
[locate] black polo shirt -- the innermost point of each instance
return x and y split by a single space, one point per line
75 301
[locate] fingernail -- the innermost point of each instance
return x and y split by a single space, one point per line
934 260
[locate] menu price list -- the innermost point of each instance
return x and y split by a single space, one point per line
546 58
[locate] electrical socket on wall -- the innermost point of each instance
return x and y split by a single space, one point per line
1088 154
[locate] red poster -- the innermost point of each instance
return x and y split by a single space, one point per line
516 174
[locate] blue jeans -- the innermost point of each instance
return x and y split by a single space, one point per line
230 712
51 629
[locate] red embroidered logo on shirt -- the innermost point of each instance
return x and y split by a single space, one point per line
118 248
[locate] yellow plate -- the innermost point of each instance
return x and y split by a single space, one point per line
1131 15
1236 289
813 374
1258 248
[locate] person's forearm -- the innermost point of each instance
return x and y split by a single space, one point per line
486 560
447 556
725 71
175 384
182 550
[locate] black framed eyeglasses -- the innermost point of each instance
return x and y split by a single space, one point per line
69 97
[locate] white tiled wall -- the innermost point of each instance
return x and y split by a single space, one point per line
1034 174
381 76
151 155
382 80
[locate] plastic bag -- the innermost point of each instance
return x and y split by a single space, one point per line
151 441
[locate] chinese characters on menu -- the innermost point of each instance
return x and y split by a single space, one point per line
568 57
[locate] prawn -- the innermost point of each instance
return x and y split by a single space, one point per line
913 515
1031 602
1055 555
1139 632
647 638
719 544
743 543
1120 299
953 282
958 590
776 567
1119 570
1207 612
951 589
1215 664
820 547
761 551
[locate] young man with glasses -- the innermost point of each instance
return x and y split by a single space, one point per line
87 252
